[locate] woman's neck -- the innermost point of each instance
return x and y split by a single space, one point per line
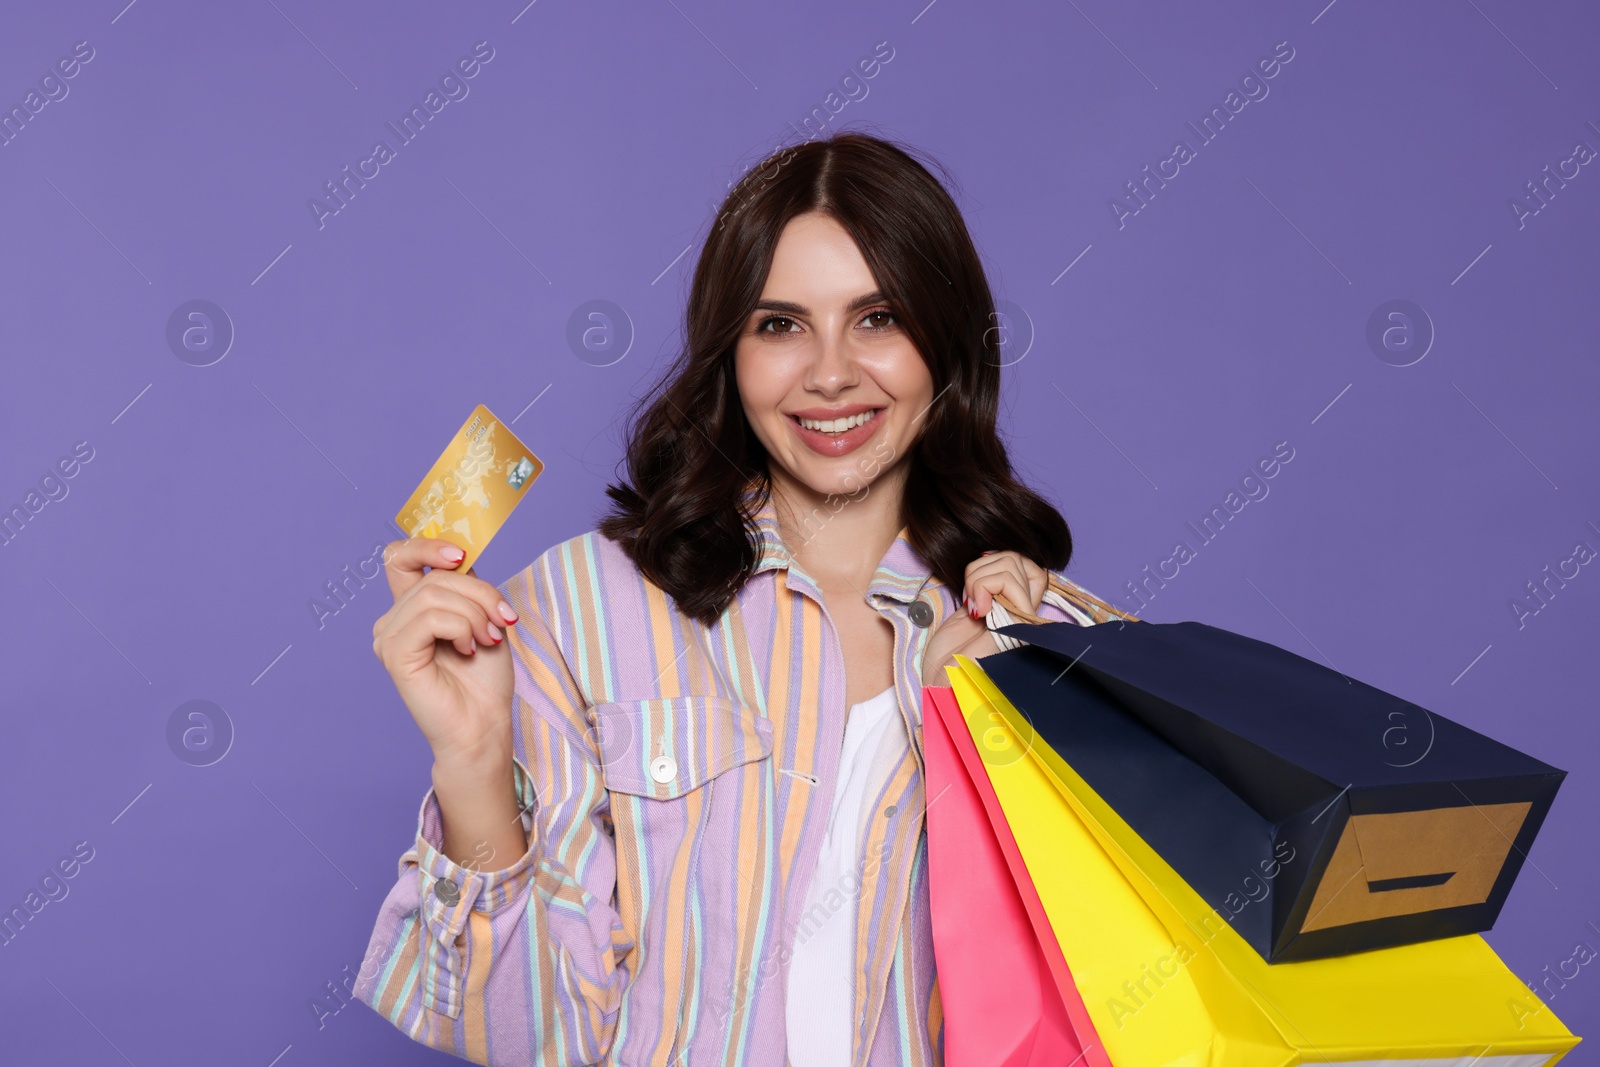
840 540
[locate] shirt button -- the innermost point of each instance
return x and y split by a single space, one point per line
890 810
447 891
921 614
663 769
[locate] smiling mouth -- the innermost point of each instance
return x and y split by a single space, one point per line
837 426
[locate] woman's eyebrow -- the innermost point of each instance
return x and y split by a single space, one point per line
789 306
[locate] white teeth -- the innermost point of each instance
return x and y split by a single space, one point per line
838 425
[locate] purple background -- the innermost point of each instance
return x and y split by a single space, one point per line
586 163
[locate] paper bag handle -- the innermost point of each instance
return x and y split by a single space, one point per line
1064 594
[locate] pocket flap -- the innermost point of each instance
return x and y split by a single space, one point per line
663 747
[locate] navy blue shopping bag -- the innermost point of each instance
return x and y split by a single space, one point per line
1317 814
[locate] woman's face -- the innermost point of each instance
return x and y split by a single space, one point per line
831 384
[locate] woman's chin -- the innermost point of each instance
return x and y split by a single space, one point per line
828 480
853 483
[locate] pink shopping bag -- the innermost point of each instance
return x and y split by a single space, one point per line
1008 997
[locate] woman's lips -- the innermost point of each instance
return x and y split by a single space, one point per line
837 444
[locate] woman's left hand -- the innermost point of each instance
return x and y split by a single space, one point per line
1016 578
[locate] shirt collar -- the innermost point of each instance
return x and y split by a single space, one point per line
902 574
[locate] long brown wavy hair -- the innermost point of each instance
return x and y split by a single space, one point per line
682 513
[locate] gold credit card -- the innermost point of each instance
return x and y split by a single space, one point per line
468 495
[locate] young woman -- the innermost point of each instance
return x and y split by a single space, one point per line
677 803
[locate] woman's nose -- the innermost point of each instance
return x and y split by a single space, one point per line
834 368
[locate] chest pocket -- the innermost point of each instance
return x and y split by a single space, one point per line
664 747
659 758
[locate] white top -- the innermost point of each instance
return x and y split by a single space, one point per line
821 995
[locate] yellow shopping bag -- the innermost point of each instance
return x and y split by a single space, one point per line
1169 983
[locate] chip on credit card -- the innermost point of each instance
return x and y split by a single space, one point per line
483 474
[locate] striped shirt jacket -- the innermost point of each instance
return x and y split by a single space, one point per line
676 781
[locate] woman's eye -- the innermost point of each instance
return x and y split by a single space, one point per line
781 324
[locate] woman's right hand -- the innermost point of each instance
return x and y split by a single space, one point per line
443 643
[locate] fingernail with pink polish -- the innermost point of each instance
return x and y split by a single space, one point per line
452 554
